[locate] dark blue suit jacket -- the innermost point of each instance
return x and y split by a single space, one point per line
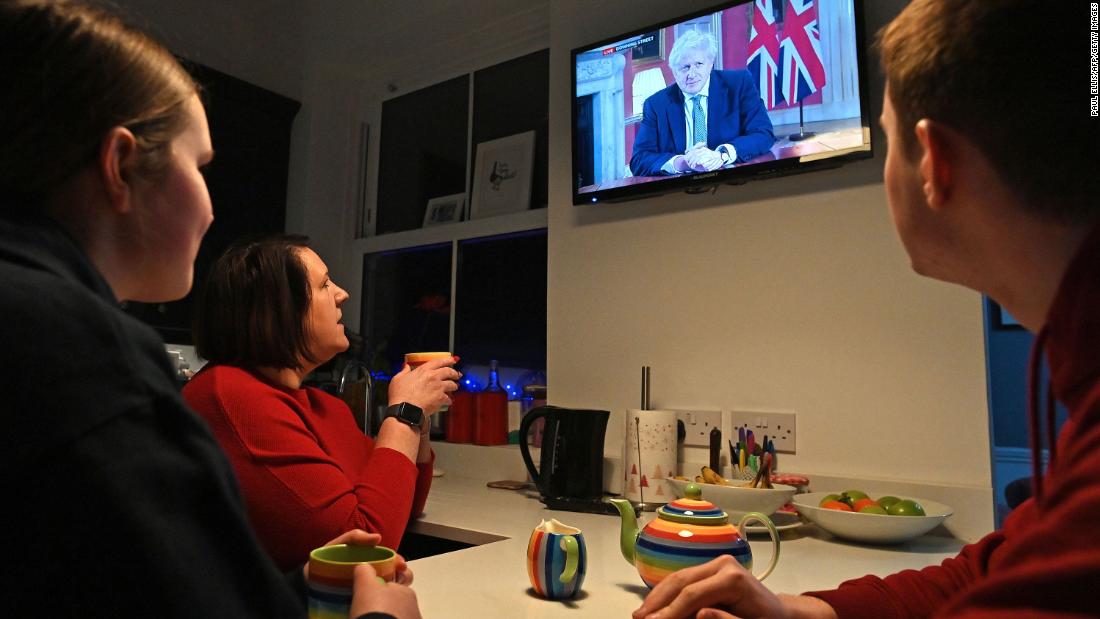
735 115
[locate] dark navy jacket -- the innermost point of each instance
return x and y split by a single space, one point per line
117 499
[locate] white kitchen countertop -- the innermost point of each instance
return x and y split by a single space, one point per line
491 580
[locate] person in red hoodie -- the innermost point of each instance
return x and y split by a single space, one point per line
269 314
992 183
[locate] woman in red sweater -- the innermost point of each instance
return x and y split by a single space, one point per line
268 316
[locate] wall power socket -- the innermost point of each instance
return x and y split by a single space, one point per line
778 427
697 426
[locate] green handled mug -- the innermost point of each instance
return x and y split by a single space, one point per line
332 575
556 560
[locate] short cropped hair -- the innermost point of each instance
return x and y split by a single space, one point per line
692 39
251 312
1002 73
71 72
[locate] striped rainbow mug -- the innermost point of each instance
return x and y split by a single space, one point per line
556 560
332 574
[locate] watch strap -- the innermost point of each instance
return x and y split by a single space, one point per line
408 414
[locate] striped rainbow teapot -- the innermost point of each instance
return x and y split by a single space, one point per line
687 532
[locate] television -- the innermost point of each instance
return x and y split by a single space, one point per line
784 88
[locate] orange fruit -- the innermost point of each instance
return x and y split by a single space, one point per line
860 504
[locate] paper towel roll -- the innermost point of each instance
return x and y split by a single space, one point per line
649 455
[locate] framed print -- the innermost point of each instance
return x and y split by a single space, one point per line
444 209
502 175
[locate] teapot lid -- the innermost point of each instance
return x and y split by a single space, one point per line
692 509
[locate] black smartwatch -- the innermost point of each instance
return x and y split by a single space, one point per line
409 414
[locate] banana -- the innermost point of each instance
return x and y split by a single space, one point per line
711 477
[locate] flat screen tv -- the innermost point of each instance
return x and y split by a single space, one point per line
746 89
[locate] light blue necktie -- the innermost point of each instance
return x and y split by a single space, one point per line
699 122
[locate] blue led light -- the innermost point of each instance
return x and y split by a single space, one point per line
473 384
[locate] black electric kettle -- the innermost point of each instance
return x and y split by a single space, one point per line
570 473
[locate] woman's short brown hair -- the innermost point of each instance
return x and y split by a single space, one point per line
1002 73
252 310
71 72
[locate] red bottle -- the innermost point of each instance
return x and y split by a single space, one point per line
491 418
460 417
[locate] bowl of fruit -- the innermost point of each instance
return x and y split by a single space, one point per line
738 497
855 516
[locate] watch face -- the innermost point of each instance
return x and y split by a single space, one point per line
407 413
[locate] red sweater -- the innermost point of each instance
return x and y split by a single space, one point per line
1045 561
306 470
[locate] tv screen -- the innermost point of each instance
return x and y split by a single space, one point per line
746 89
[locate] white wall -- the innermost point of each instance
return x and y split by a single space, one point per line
789 294
260 41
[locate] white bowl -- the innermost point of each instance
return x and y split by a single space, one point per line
871 528
736 501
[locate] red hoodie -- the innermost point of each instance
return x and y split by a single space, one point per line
1045 561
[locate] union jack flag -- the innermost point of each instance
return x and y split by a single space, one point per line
764 53
802 66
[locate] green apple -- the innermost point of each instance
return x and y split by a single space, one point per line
871 508
905 507
887 501
851 496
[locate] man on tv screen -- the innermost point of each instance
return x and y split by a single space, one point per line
706 120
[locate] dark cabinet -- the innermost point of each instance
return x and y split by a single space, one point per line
406 304
471 287
250 128
423 149
500 303
510 98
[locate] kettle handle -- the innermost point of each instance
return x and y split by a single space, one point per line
524 450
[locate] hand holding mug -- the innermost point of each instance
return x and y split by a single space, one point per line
425 383
373 595
331 576
359 537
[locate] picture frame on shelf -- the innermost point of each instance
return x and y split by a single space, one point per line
502 175
444 210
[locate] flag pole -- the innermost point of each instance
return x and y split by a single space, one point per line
802 133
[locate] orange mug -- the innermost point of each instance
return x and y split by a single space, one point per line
415 359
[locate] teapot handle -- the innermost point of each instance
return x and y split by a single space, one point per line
772 532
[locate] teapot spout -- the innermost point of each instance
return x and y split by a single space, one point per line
628 531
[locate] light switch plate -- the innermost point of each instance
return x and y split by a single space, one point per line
778 427
697 426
